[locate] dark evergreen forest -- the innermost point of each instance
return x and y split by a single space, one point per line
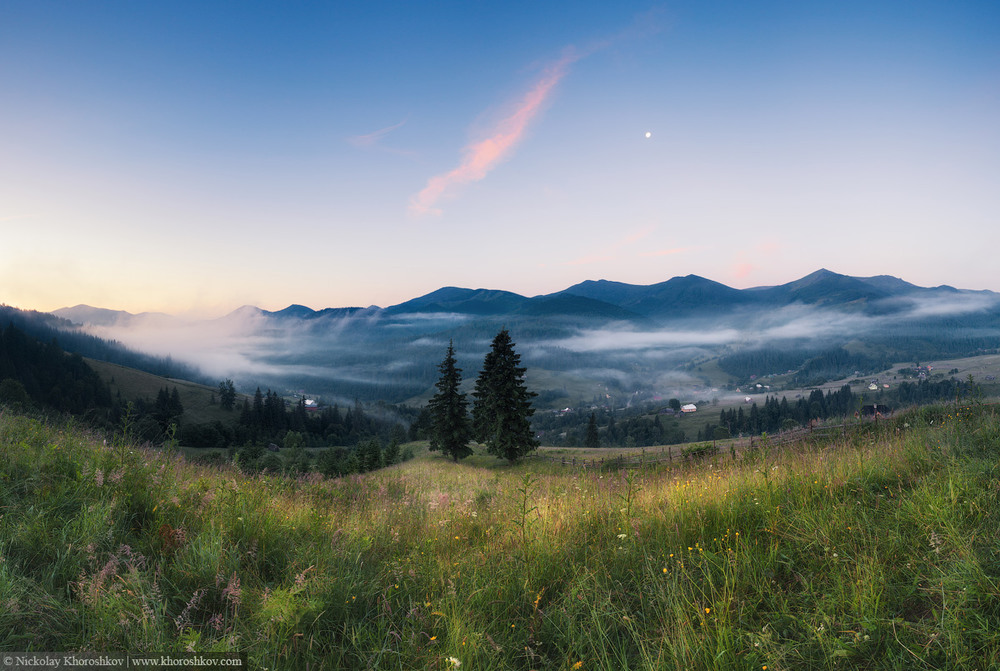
42 374
48 328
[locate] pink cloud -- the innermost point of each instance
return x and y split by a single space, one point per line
637 236
593 258
484 155
612 253
667 252
372 138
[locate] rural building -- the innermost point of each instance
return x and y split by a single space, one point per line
690 407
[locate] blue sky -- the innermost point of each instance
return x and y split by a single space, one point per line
194 157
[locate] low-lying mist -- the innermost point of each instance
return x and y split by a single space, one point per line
379 354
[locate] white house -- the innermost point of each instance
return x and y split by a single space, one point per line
690 407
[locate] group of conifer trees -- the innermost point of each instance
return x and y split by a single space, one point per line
501 409
35 373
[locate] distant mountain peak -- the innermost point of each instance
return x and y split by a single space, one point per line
293 311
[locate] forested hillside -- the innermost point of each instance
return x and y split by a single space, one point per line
42 374
47 327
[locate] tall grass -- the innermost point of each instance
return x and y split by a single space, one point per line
879 550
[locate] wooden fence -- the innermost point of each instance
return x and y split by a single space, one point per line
695 451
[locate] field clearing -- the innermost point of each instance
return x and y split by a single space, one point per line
978 366
877 550
135 384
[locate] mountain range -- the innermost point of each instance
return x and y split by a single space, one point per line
593 338
604 299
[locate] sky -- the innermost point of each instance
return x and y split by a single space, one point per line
193 157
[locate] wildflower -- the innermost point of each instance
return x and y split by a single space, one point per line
707 611
232 592
621 536
454 662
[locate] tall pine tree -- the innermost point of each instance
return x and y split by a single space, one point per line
450 430
593 437
502 409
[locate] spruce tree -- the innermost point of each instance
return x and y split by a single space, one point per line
450 430
593 438
502 409
482 421
227 394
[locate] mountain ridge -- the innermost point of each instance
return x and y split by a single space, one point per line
589 340
678 296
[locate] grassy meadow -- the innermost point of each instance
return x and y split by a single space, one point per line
879 550
134 384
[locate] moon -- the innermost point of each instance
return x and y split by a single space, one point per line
648 134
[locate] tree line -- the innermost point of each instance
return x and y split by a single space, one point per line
777 415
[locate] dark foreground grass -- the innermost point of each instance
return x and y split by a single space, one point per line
878 551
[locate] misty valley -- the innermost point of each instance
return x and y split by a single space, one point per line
615 350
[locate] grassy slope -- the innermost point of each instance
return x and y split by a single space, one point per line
133 384
878 552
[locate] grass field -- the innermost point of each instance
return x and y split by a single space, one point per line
876 551
134 384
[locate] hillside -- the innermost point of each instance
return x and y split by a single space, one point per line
874 551
684 337
134 384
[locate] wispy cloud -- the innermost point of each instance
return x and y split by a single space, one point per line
743 270
592 258
746 264
667 252
611 251
483 155
637 236
370 139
